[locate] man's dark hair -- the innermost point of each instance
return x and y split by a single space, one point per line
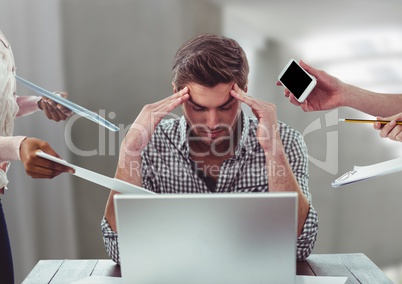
209 60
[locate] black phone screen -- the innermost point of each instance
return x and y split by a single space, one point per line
295 79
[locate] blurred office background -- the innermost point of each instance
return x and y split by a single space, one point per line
114 56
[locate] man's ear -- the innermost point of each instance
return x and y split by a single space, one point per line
174 88
245 88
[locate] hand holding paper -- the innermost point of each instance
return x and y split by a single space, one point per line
112 183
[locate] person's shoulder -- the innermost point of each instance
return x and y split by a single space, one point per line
286 132
288 129
283 127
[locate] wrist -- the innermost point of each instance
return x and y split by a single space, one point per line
39 103
21 148
273 146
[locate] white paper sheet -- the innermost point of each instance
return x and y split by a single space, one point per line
99 280
112 183
299 280
302 279
371 171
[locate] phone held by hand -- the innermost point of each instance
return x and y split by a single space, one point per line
294 78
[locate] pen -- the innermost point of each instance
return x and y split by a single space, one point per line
367 121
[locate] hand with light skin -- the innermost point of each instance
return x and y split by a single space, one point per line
150 116
136 140
53 110
390 130
271 143
37 167
330 93
327 94
267 132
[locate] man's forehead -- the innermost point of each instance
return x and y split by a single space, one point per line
201 95
201 104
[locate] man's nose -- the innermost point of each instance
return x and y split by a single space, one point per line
212 119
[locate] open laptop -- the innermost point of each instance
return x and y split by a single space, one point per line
207 238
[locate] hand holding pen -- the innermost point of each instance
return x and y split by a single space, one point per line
393 129
389 127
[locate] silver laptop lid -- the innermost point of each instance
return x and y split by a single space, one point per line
207 238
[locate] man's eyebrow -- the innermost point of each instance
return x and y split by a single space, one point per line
223 105
194 103
231 98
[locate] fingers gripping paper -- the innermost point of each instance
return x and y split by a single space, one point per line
105 181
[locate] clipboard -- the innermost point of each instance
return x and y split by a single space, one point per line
68 104
366 172
105 181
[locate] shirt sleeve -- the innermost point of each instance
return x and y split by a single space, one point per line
111 241
306 241
10 147
298 160
27 105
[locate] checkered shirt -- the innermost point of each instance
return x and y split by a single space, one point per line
167 168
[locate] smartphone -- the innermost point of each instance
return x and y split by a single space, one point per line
294 78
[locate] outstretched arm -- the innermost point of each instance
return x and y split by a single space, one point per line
330 93
52 110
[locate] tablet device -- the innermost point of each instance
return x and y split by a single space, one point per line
68 104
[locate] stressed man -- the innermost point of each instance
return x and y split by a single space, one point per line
214 147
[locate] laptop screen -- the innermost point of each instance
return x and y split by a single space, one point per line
207 238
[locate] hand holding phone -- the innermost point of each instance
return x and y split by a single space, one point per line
294 78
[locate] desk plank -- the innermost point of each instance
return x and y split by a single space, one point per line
357 267
364 269
106 267
73 270
330 265
43 272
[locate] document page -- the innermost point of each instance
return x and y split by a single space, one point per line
105 181
299 280
320 280
366 172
